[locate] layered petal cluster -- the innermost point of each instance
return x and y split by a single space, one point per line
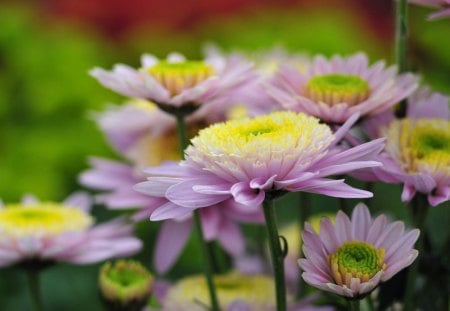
353 256
417 153
250 158
335 89
36 231
219 222
176 82
442 5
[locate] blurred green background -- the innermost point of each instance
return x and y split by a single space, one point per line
47 98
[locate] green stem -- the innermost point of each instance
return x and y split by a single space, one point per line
206 252
33 285
183 141
401 44
208 263
419 210
354 304
370 304
276 254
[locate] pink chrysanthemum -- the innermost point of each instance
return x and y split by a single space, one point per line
335 89
177 82
352 257
46 232
219 222
443 5
249 158
417 152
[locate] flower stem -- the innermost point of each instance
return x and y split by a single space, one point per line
419 211
276 254
182 134
208 268
33 285
401 44
354 304
208 263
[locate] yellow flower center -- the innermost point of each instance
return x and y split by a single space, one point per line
191 293
43 220
275 139
178 76
333 89
420 145
356 260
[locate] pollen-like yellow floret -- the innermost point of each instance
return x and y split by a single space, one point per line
269 140
178 76
42 220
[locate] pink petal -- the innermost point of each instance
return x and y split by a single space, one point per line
171 240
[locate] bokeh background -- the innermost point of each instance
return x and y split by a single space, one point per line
47 99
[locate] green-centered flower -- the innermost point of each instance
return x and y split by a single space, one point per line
125 284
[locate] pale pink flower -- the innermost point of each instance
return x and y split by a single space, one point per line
352 257
176 82
335 89
36 231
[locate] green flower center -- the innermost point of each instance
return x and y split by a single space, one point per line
125 281
334 89
178 76
41 220
356 260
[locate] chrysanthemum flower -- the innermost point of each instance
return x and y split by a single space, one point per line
191 293
335 89
125 284
47 232
443 5
352 257
417 153
419 156
251 158
176 82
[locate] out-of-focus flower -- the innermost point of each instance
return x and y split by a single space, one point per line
191 293
442 5
417 152
335 89
235 291
352 257
177 83
419 156
47 232
125 284
249 158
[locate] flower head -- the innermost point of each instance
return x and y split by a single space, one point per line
443 5
248 159
191 293
420 150
125 283
335 89
416 153
48 232
177 83
351 257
